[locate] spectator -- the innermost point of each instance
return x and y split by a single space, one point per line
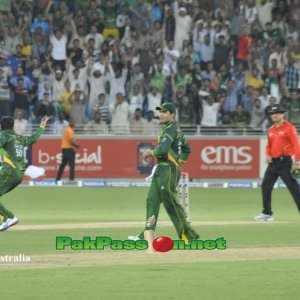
96 126
293 13
136 99
264 97
294 108
13 38
77 103
154 99
58 85
39 46
171 56
186 115
40 22
44 108
151 126
117 79
280 56
5 100
244 43
232 97
122 18
226 124
158 77
291 75
193 95
110 17
146 58
136 122
97 77
142 37
103 108
16 60
97 37
137 77
120 114
64 104
157 34
264 10
21 98
142 16
129 35
170 25
240 118
247 99
21 125
267 119
257 115
183 25
75 52
221 52
211 110
249 11
60 124
206 50
254 79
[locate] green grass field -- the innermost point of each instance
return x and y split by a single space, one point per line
262 260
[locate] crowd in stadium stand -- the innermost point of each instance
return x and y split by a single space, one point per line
109 63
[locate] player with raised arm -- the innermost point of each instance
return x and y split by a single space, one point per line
12 150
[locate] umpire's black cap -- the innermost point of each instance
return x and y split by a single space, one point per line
276 109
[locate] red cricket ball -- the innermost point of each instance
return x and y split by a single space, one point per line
163 244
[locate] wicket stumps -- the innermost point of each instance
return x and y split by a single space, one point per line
183 190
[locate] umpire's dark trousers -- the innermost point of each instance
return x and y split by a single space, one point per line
280 167
68 156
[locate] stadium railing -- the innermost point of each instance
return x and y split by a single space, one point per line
189 130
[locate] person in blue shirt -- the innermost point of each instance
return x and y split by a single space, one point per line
40 22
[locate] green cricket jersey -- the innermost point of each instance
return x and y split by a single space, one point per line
12 147
172 145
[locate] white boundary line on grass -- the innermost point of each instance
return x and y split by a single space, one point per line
130 224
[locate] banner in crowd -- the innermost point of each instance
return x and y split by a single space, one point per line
122 158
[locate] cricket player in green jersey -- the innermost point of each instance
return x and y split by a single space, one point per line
13 165
171 153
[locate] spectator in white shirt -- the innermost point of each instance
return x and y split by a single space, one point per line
60 124
154 99
120 114
98 37
96 126
136 99
21 125
210 114
171 56
59 42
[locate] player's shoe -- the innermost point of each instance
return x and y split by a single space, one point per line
133 237
264 217
9 223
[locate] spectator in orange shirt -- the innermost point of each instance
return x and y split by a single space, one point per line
68 146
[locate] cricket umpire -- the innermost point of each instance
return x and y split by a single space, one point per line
68 146
282 146
172 151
